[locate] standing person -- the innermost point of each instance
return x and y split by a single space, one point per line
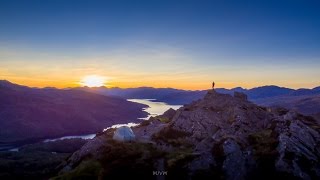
213 85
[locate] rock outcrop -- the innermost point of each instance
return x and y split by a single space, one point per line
228 137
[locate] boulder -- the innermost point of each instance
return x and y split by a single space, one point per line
240 95
169 113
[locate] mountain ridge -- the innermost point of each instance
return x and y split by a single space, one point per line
264 95
38 113
303 100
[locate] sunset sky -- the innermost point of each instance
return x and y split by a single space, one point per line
159 43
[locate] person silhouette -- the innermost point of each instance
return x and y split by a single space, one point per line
212 85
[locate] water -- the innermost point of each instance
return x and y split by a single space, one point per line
87 136
154 109
14 150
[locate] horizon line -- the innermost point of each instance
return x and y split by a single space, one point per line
116 87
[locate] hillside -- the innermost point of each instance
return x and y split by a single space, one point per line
217 137
31 113
167 95
305 104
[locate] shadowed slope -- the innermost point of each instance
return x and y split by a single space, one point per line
29 113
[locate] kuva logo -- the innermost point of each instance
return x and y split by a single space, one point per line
160 173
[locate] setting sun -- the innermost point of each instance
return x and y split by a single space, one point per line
93 81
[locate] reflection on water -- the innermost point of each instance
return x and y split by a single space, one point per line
154 109
14 150
7 147
87 136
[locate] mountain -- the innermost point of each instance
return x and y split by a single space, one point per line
305 104
267 91
317 89
168 95
305 101
34 113
217 137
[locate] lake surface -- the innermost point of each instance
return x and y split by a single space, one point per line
154 109
87 136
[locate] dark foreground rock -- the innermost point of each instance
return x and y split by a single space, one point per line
37 161
220 136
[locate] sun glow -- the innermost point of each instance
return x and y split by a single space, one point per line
93 81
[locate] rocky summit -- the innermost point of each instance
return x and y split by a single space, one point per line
219 136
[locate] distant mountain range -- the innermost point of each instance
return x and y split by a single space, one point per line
33 113
306 101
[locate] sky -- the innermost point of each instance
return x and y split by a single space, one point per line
161 43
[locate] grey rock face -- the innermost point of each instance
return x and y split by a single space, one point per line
299 148
234 122
240 95
234 164
92 148
169 113
234 137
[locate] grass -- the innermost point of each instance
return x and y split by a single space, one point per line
117 160
163 119
135 159
172 136
264 142
170 133
179 156
89 169
144 123
29 164
36 161
265 153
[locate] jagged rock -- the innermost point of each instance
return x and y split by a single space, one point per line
298 148
218 115
232 137
234 163
240 95
91 149
169 113
204 161
233 120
